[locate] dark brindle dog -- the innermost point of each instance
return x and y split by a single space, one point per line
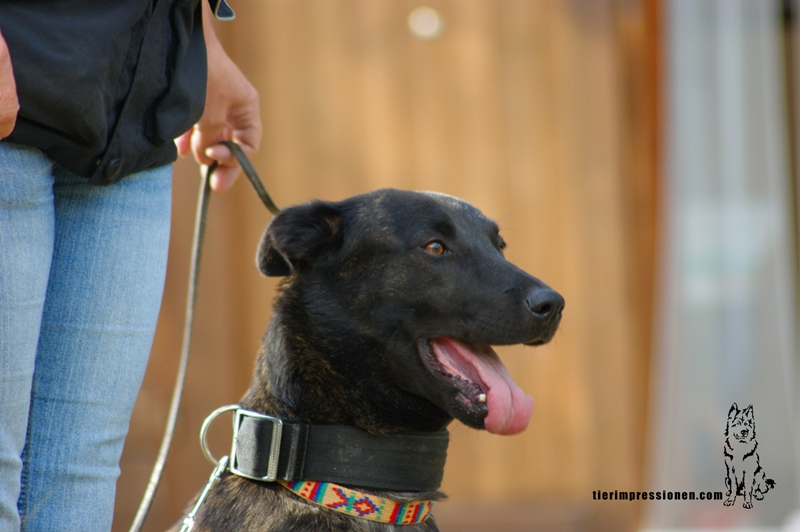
384 322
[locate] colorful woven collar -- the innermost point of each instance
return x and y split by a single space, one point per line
360 504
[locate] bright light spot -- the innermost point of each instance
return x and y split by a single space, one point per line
425 23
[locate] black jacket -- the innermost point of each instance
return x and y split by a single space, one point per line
106 85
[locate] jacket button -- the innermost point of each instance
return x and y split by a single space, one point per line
112 169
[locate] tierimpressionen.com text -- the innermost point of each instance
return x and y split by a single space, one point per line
663 495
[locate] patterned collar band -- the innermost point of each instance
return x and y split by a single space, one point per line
360 504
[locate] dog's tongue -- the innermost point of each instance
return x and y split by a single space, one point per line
509 407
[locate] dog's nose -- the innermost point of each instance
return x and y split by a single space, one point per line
545 303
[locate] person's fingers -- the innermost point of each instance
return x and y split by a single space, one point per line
243 126
204 136
224 177
227 169
245 119
247 134
9 104
221 154
184 143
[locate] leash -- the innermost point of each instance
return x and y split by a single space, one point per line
180 379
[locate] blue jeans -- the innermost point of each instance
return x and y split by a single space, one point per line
81 277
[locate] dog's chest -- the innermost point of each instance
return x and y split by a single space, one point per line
741 456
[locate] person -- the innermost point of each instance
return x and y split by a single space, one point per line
92 94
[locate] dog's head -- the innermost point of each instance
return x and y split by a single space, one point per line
404 293
741 424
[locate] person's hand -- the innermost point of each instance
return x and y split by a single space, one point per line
9 104
231 113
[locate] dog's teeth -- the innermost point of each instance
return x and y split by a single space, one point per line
482 398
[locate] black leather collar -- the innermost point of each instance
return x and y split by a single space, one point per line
405 461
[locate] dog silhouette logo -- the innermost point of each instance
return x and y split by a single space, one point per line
744 475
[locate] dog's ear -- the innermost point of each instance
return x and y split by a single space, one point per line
297 235
748 412
733 411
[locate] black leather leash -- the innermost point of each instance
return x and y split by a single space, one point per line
180 379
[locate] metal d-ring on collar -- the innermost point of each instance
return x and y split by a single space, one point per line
204 430
239 415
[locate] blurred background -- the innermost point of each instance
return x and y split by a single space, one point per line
640 157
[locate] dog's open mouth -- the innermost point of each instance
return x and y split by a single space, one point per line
479 383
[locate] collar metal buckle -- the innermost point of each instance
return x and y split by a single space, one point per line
275 445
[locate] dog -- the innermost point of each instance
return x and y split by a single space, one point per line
744 475
382 326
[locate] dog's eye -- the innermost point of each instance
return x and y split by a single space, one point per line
435 248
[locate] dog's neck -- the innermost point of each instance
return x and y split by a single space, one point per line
292 382
296 378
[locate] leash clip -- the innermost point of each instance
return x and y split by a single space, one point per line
188 521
